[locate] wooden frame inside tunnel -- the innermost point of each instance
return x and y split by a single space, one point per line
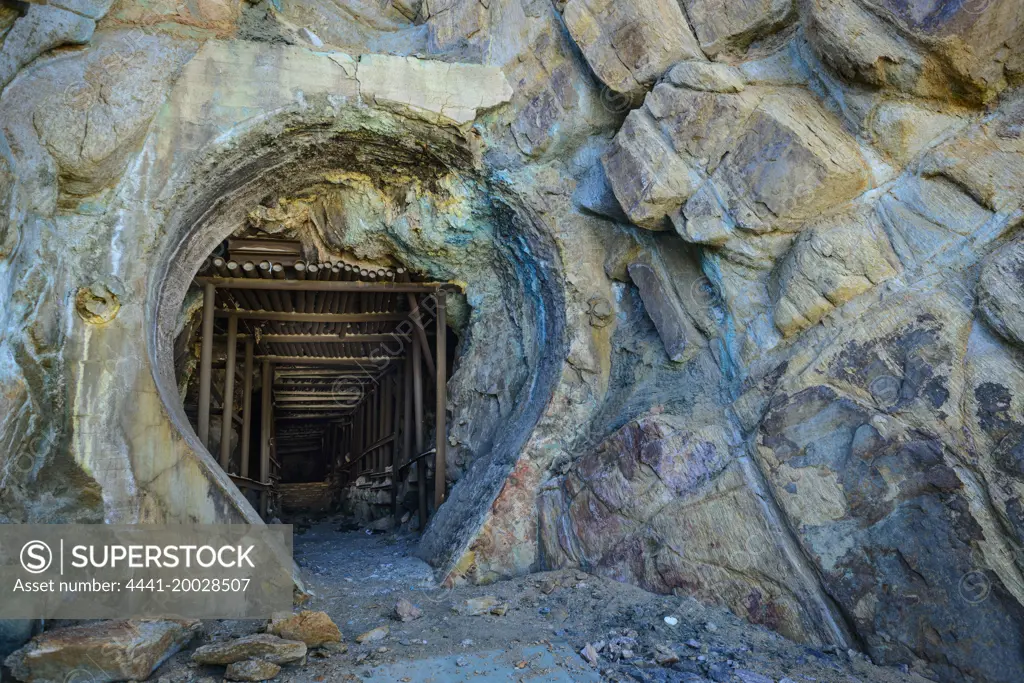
341 351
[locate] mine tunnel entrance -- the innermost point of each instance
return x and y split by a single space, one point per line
320 386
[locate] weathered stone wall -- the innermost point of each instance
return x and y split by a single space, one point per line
744 280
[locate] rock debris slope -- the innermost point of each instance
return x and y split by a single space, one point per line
743 281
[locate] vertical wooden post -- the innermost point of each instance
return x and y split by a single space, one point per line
421 464
246 407
441 404
407 453
357 442
227 415
393 448
382 424
266 427
206 364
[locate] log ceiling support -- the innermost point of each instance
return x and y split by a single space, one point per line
339 381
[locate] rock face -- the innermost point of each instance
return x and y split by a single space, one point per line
743 286
940 50
109 651
862 443
661 505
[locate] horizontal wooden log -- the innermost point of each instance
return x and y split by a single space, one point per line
376 363
320 285
295 317
320 338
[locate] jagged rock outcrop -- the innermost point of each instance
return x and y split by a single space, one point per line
630 44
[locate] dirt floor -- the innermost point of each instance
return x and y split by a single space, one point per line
358 577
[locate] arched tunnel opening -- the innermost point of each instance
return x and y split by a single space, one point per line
318 384
393 233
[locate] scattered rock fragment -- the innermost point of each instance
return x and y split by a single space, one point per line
128 649
590 654
474 607
372 636
406 611
264 646
312 628
665 656
548 586
251 670
748 676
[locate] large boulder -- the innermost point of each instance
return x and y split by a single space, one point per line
723 25
1001 291
43 28
951 50
128 650
776 158
100 104
312 628
648 178
830 263
630 44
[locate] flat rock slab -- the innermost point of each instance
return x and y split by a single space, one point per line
438 92
100 653
251 670
263 646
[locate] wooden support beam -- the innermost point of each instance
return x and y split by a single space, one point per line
396 453
311 417
416 317
246 408
441 404
297 317
228 410
320 285
311 396
382 424
266 427
375 363
205 364
421 465
341 338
